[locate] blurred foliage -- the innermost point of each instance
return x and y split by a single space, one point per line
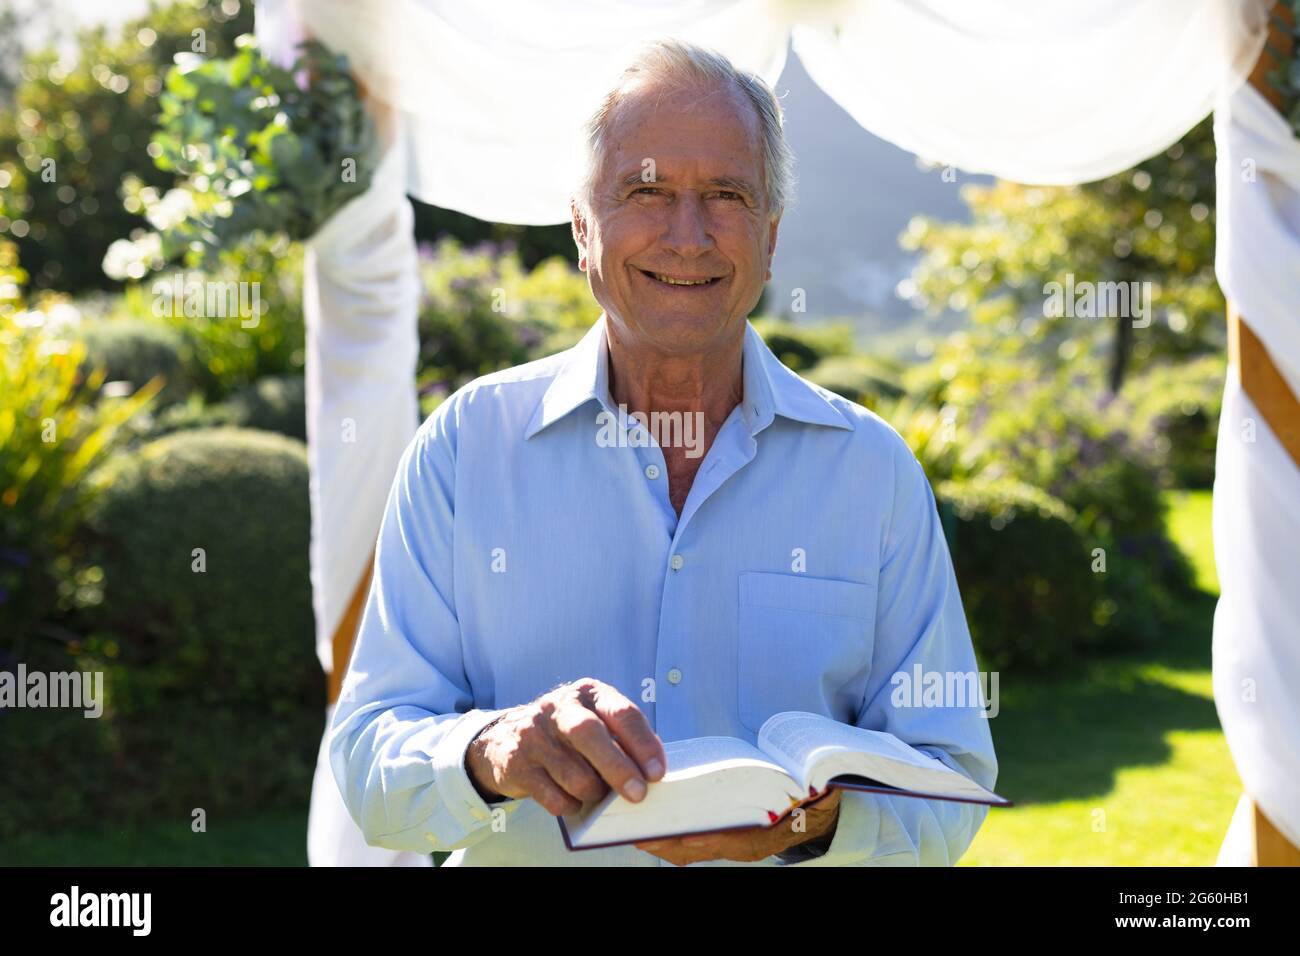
1152 224
1027 587
202 542
1176 415
482 310
534 244
800 347
52 433
864 379
256 151
273 404
226 350
150 765
77 128
12 280
982 410
136 351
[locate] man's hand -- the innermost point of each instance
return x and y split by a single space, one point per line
751 843
567 748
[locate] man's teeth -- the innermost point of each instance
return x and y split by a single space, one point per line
671 281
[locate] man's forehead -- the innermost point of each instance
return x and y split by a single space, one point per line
679 127
646 109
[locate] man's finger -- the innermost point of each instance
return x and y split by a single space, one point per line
588 734
567 765
629 727
552 797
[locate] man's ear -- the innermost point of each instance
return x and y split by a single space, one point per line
580 227
772 228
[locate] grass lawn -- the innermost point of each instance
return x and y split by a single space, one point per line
273 838
1123 764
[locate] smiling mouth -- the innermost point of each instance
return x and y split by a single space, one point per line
666 279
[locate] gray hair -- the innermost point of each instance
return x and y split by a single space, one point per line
685 65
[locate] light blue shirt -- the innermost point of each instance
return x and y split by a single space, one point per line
521 550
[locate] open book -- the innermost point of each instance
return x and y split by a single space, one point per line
721 783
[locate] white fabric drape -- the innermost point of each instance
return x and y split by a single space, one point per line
1256 484
361 295
1052 91
492 97
360 299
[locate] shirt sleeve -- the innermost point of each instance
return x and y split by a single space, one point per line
406 712
919 622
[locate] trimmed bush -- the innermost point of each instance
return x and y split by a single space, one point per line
135 350
273 404
68 772
858 378
800 347
202 537
1176 413
1025 575
214 697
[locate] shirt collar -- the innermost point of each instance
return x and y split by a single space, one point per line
770 388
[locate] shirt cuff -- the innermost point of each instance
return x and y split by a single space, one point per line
458 796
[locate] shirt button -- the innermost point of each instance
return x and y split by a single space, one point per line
677 562
674 676
652 472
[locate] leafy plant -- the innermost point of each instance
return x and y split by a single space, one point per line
52 433
257 152
78 123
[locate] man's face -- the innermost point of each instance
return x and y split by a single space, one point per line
703 218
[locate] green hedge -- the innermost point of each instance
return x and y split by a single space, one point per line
1024 572
1176 413
800 347
66 771
135 350
276 403
214 695
859 378
241 630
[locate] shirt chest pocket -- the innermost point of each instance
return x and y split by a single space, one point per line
803 644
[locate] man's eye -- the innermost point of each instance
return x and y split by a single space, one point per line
730 195
646 190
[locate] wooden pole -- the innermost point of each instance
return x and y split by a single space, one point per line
346 633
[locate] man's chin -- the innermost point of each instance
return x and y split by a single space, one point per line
680 332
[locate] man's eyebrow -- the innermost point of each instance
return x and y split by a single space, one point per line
732 182
724 182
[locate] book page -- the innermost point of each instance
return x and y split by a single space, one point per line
794 739
802 741
817 750
709 754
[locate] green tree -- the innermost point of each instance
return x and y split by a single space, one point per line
1153 225
75 131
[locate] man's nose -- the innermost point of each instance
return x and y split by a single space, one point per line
688 226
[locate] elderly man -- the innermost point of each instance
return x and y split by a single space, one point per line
549 605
